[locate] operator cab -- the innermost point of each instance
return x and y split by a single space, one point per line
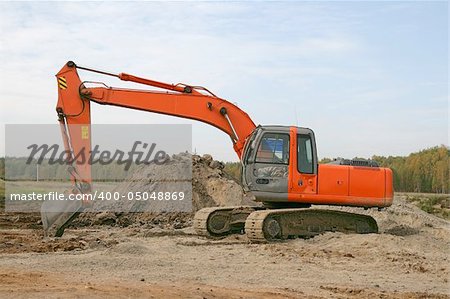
271 153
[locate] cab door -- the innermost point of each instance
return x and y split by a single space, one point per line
266 163
303 168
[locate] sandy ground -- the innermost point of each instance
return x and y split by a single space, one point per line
409 258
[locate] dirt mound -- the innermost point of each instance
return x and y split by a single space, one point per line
211 187
407 214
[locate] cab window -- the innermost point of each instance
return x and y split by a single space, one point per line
273 149
305 154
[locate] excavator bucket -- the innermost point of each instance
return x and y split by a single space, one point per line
56 216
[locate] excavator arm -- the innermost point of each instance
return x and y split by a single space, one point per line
74 115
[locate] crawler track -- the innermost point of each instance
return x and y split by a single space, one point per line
269 225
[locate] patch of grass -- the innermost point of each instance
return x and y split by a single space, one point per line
436 204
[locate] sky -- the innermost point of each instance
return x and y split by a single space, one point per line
370 78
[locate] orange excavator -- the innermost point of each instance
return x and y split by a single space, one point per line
279 163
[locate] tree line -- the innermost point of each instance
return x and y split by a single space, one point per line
426 171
